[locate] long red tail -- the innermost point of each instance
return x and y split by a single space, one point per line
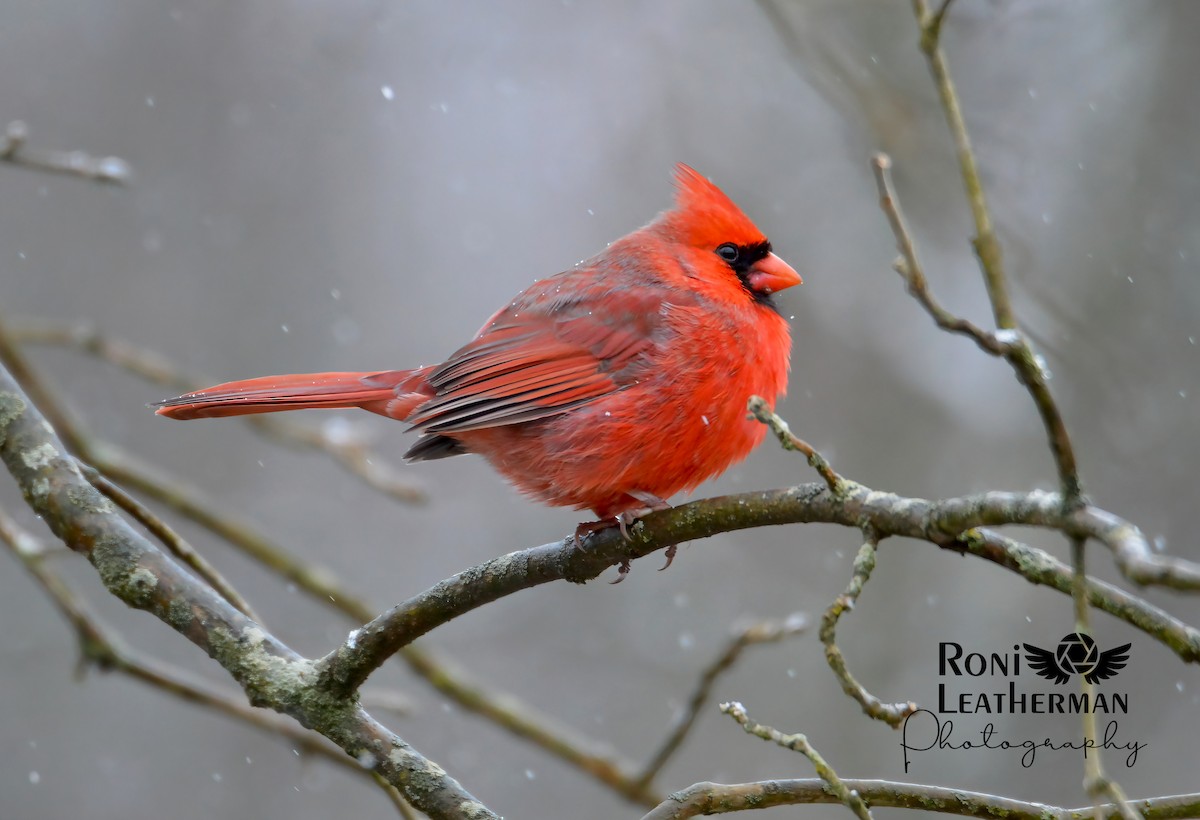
393 393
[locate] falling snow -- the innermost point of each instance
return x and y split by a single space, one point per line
1007 336
795 622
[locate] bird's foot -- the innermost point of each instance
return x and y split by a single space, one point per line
623 521
670 554
590 528
622 571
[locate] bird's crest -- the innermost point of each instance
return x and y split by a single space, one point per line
704 216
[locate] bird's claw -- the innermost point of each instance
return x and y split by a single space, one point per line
622 571
624 520
670 555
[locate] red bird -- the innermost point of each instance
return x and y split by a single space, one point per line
611 386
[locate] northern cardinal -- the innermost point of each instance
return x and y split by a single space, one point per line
610 386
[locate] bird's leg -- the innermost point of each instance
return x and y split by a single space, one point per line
624 520
653 503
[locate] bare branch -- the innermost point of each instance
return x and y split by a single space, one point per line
1040 567
504 709
940 522
15 151
717 798
137 572
522 720
909 265
987 246
1097 783
799 743
789 441
892 714
339 439
1028 365
175 543
759 633
105 651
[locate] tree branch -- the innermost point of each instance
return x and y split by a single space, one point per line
98 647
506 710
790 441
1040 567
137 572
940 522
759 633
716 798
175 543
13 150
909 265
799 743
337 438
893 714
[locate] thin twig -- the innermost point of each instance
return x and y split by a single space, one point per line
1027 365
893 714
175 543
987 246
506 710
1040 567
1097 783
401 805
15 151
941 522
1010 344
105 651
1021 356
138 573
909 265
522 720
799 743
760 410
337 438
759 633
13 359
933 28
718 798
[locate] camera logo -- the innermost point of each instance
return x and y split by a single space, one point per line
1077 654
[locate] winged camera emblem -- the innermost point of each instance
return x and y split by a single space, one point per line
1077 654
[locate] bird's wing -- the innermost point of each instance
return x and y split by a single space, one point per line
544 354
1110 663
1043 662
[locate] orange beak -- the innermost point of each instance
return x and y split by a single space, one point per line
771 275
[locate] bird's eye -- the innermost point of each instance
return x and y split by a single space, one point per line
729 252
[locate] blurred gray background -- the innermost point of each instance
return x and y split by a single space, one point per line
358 185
